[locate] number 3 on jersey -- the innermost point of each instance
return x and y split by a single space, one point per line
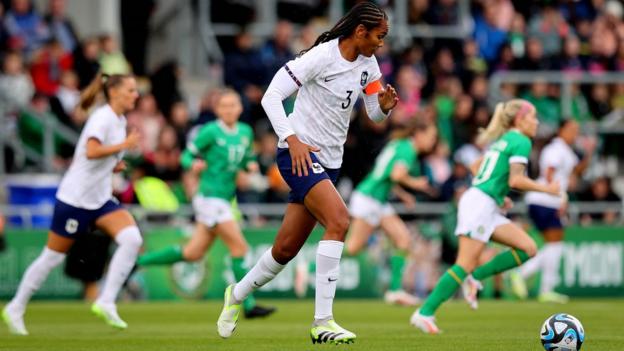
347 103
487 167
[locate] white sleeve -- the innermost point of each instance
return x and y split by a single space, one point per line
97 127
281 87
373 109
550 158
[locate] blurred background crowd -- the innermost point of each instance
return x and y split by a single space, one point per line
46 62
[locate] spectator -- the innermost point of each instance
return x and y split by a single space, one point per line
135 16
86 62
570 59
206 107
473 63
112 60
549 28
27 31
64 102
463 124
164 161
47 67
148 121
60 26
165 81
489 38
16 87
534 59
408 85
517 36
600 190
579 106
548 110
443 12
179 118
599 103
276 51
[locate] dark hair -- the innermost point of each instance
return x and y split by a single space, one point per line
101 83
365 13
411 127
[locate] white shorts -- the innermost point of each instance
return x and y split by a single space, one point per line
369 209
478 215
211 211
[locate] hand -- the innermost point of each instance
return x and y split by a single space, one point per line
422 184
132 140
253 167
198 166
409 201
388 98
553 188
120 166
300 155
508 204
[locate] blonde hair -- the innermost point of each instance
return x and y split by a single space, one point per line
503 119
101 83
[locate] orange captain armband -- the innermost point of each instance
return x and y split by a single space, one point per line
373 87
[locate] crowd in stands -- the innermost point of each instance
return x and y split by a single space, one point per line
45 63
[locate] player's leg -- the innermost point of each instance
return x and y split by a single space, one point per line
192 251
53 254
230 233
120 225
327 206
551 262
398 232
296 227
522 248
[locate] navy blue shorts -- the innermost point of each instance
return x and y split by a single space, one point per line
544 217
299 186
69 221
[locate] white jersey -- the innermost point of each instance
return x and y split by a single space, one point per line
560 156
329 87
88 183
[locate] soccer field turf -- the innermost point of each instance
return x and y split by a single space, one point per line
497 325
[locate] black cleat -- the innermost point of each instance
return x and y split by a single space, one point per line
259 311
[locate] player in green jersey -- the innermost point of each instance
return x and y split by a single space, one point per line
397 164
218 153
481 209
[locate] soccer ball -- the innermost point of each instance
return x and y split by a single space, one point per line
562 332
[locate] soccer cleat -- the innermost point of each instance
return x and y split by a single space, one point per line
331 332
518 285
14 321
259 311
470 289
229 315
302 275
425 323
109 314
553 297
401 297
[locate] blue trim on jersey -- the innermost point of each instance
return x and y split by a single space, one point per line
292 75
70 221
544 217
300 186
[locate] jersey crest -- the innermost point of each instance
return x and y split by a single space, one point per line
363 78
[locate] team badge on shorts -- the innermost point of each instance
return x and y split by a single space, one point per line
364 78
71 226
317 168
481 229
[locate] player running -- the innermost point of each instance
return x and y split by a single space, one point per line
559 162
220 151
480 213
84 199
329 76
396 164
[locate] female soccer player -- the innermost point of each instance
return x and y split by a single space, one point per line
330 75
559 162
220 150
84 199
480 216
396 164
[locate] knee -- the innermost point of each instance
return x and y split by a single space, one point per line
531 249
403 244
239 250
283 254
130 237
337 228
192 254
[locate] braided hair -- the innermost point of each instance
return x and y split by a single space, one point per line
366 13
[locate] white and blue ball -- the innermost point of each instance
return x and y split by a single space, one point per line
562 332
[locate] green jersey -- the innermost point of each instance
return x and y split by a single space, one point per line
377 183
225 152
493 175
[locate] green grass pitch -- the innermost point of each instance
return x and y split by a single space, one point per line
172 326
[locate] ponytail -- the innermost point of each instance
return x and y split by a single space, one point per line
102 83
503 118
365 13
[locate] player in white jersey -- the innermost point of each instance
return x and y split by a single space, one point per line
84 199
329 76
557 162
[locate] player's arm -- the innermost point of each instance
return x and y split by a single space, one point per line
518 180
379 101
191 158
97 150
400 174
406 198
474 167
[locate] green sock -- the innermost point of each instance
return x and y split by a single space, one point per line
500 263
397 262
168 255
239 270
448 284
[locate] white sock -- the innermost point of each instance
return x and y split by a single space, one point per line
129 242
263 272
34 276
531 266
327 272
550 266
